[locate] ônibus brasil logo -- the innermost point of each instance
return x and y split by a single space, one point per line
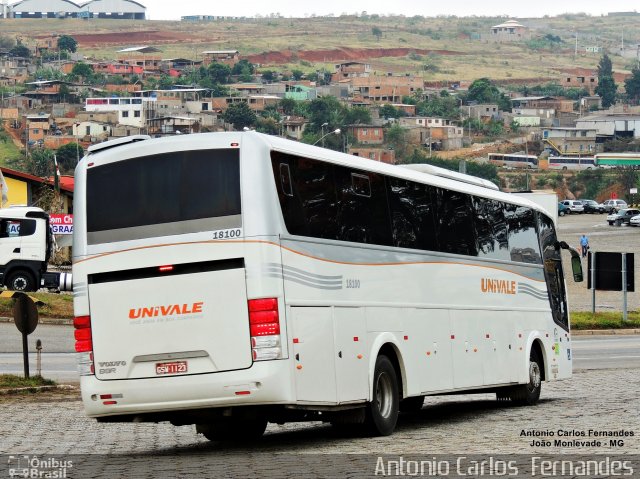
166 310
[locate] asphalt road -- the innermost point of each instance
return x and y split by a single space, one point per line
59 360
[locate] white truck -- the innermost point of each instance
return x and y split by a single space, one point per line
26 245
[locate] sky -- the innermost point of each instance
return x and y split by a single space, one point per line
173 10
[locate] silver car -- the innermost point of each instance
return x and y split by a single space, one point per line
614 205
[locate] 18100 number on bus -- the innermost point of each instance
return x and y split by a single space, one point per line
227 234
353 284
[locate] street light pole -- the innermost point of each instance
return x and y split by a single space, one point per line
322 133
334 132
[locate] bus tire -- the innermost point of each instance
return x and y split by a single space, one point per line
382 412
528 394
233 430
21 281
412 404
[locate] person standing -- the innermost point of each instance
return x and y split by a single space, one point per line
584 245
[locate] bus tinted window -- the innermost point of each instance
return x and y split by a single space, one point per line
412 213
311 208
523 238
454 222
363 216
160 189
322 200
491 229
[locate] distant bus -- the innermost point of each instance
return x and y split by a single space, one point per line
571 163
617 159
513 160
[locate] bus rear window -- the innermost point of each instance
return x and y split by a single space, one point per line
166 194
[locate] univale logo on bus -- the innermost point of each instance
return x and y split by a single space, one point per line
499 286
168 310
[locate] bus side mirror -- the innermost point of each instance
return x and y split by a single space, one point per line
576 267
576 263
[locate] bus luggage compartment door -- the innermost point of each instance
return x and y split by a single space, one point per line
170 325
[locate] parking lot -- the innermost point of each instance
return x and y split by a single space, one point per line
602 237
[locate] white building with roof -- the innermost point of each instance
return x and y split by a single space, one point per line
509 31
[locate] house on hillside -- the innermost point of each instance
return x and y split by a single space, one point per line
570 141
351 70
367 134
509 31
383 155
228 57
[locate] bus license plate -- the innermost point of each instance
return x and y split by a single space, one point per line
175 367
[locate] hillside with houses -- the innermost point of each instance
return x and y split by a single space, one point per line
396 91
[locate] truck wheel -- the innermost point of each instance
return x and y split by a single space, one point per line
382 411
21 281
233 430
528 394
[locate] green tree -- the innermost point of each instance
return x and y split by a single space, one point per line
165 82
40 162
240 115
20 50
632 85
606 85
376 32
390 111
396 138
68 43
82 70
67 156
327 111
268 76
483 90
219 73
244 70
243 67
287 105
297 74
357 115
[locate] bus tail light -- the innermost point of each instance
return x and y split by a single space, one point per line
264 324
84 345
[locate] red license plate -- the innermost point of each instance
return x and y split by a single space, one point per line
175 367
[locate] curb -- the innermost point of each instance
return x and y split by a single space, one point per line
37 389
56 321
604 332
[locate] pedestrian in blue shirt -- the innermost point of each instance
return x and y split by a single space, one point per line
584 245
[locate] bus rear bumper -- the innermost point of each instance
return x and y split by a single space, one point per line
266 382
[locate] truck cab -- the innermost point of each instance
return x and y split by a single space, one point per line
26 244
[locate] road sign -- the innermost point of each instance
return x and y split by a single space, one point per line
25 315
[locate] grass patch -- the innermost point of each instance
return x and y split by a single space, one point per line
55 305
11 381
607 320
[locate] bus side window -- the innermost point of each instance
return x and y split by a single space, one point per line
285 180
454 222
363 214
523 238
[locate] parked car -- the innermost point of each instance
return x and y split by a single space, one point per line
635 221
592 206
562 209
614 205
574 206
623 216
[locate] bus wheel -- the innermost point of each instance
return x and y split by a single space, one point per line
528 394
382 411
233 430
21 281
412 404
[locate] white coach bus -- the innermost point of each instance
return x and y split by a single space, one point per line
228 280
